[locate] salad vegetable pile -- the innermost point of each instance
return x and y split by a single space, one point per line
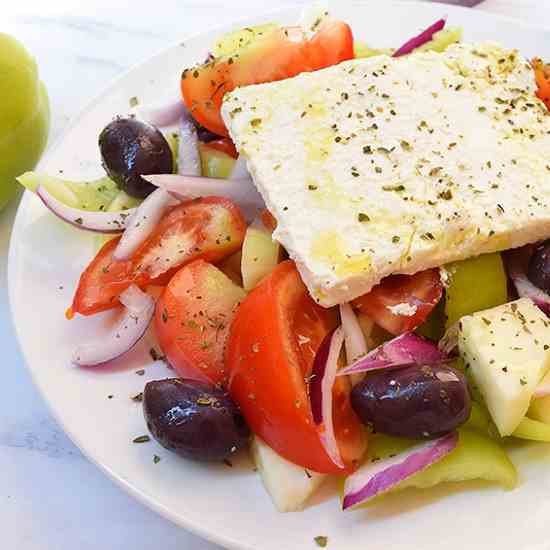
418 382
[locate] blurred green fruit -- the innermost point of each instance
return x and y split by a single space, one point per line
24 115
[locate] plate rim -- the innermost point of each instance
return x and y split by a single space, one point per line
227 541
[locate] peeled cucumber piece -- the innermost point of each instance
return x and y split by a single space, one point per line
442 40
288 485
474 285
475 457
533 430
91 195
233 41
260 255
215 164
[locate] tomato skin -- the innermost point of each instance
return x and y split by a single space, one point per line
273 340
224 145
281 53
102 282
210 228
192 321
542 76
422 290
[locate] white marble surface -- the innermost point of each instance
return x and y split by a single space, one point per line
51 497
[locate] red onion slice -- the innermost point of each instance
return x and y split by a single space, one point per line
99 222
189 158
242 191
516 264
421 39
240 170
165 114
138 312
375 478
142 223
356 347
320 391
406 349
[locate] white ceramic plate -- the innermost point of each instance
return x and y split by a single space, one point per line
229 505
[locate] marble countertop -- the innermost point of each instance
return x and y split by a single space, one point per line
51 497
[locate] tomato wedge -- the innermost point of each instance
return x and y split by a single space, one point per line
192 321
210 228
542 75
402 302
282 53
274 337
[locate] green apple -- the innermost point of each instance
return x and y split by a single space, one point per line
24 114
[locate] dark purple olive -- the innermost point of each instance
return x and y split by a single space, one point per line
204 135
130 148
538 271
414 401
193 419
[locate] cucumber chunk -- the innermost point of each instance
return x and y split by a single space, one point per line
474 285
442 40
540 409
533 430
362 51
288 485
215 164
260 255
91 195
475 457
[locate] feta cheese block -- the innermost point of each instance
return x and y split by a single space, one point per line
394 165
507 350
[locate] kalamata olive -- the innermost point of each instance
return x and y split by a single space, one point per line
130 148
194 419
414 401
206 136
539 266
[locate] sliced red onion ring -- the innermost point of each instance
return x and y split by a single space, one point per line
421 39
99 222
406 349
163 115
189 158
240 171
320 391
138 312
375 478
516 263
356 347
242 191
142 223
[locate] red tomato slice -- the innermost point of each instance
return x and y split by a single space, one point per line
281 53
192 321
210 228
103 281
224 145
542 75
274 337
421 292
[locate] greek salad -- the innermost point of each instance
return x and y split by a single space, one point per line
342 252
